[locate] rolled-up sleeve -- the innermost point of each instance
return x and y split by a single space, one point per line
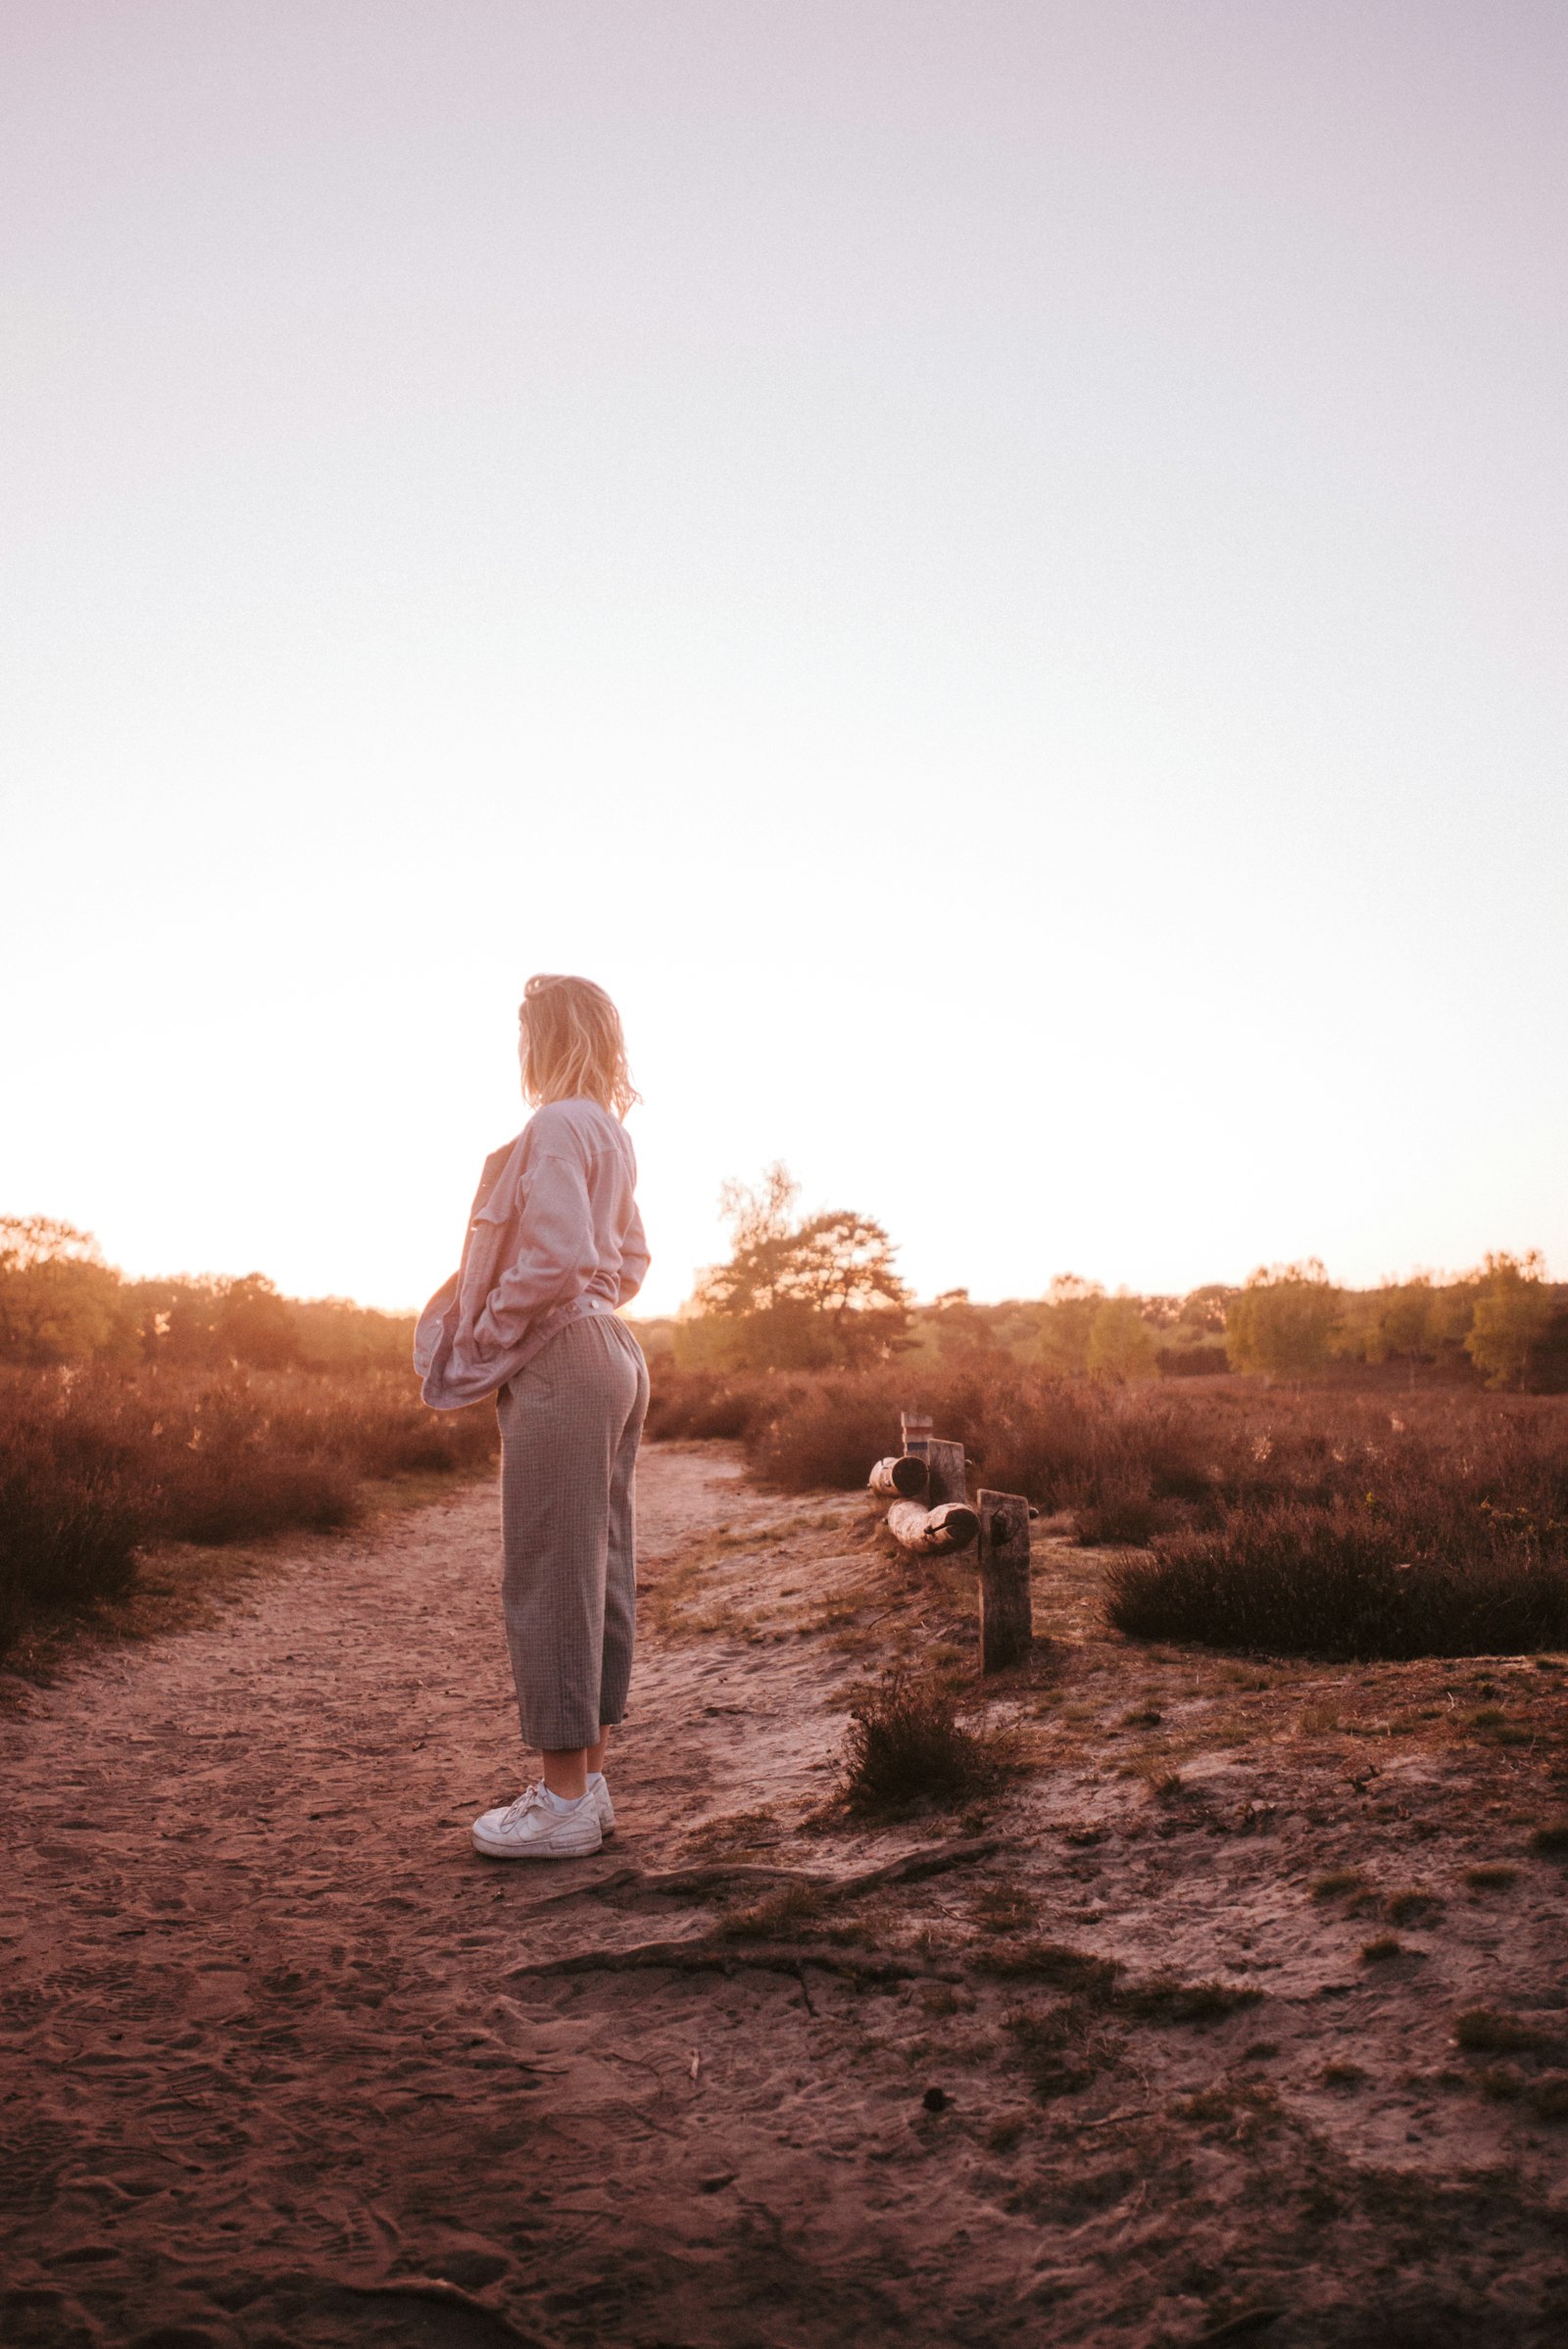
556 1256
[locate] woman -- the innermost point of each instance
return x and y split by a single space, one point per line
554 1245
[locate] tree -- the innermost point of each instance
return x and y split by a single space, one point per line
58 1301
1282 1320
1121 1344
1065 1322
255 1325
796 1296
1512 1312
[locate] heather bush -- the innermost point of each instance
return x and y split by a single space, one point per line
907 1747
95 1462
695 1403
1322 1522
1340 1582
69 1526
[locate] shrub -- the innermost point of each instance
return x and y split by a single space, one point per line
906 1745
700 1402
1294 1578
92 1464
69 1526
1485 2031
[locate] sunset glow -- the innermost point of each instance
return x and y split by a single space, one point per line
994 574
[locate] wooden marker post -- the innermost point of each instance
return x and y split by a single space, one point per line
1005 1622
945 1476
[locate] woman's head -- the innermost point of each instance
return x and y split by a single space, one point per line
569 1044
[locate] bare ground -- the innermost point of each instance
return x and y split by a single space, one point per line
280 2066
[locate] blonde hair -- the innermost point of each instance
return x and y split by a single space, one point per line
571 1043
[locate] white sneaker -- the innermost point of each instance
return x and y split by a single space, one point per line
532 1829
603 1805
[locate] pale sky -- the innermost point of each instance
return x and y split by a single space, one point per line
995 569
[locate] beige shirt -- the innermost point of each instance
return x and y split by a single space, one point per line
554 1233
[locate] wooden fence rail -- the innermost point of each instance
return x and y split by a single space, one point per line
942 1522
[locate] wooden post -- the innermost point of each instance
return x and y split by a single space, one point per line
1005 1624
914 1432
945 1476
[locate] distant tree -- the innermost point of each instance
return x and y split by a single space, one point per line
961 1331
1282 1319
334 1334
1066 1320
1204 1311
795 1296
256 1326
1514 1310
58 1301
1122 1344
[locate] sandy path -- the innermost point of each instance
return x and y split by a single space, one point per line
267 2081
256 2043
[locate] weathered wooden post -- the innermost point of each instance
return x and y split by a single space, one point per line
1005 1618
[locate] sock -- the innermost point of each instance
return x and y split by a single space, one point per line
563 1802
596 1778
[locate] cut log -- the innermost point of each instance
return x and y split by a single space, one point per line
934 1533
903 1475
1005 1624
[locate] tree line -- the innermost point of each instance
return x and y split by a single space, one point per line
822 1291
60 1302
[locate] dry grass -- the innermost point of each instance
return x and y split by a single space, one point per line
1319 1523
98 1464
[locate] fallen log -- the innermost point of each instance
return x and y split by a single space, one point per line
903 1474
933 1533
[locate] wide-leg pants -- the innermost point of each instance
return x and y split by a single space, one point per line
570 1423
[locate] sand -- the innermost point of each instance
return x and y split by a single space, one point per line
272 2075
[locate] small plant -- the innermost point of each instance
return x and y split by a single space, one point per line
1493 1877
1483 2031
1005 2130
1386 1946
907 1747
1059 2056
778 1917
1342 2075
1548 2097
1553 1837
1184 2001
1412 1906
1338 1883
1076 1970
1003 1909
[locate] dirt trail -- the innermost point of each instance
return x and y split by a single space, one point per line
270 2079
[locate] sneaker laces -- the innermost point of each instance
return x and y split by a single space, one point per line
532 1799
